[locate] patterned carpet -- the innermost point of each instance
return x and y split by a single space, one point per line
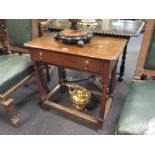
35 121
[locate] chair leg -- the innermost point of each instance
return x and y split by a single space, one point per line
8 104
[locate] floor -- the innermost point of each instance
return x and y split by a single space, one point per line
35 121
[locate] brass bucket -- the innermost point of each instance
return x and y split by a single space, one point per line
80 96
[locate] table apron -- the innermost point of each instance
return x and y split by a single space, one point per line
81 63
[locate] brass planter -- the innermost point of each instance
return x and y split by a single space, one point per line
80 96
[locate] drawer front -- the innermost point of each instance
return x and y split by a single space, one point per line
68 61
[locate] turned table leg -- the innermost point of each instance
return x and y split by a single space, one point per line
113 81
122 67
41 83
105 79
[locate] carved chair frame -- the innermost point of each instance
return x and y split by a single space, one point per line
140 70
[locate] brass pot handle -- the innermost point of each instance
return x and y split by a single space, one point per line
70 87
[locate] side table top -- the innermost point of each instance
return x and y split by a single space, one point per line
112 27
100 47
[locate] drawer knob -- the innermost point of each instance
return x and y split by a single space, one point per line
41 56
87 62
86 68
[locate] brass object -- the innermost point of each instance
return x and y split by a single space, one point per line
87 62
41 56
86 68
80 96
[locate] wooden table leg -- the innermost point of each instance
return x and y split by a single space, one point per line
105 79
62 79
122 67
41 83
113 81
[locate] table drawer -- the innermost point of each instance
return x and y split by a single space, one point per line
69 61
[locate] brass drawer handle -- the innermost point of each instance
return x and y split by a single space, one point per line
41 56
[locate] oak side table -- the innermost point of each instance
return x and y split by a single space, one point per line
98 57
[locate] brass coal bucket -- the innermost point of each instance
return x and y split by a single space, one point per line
80 96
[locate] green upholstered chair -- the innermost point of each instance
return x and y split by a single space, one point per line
15 69
1 51
20 31
27 29
138 114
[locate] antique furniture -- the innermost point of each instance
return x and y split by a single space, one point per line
28 29
139 110
75 34
15 69
99 57
3 36
117 28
